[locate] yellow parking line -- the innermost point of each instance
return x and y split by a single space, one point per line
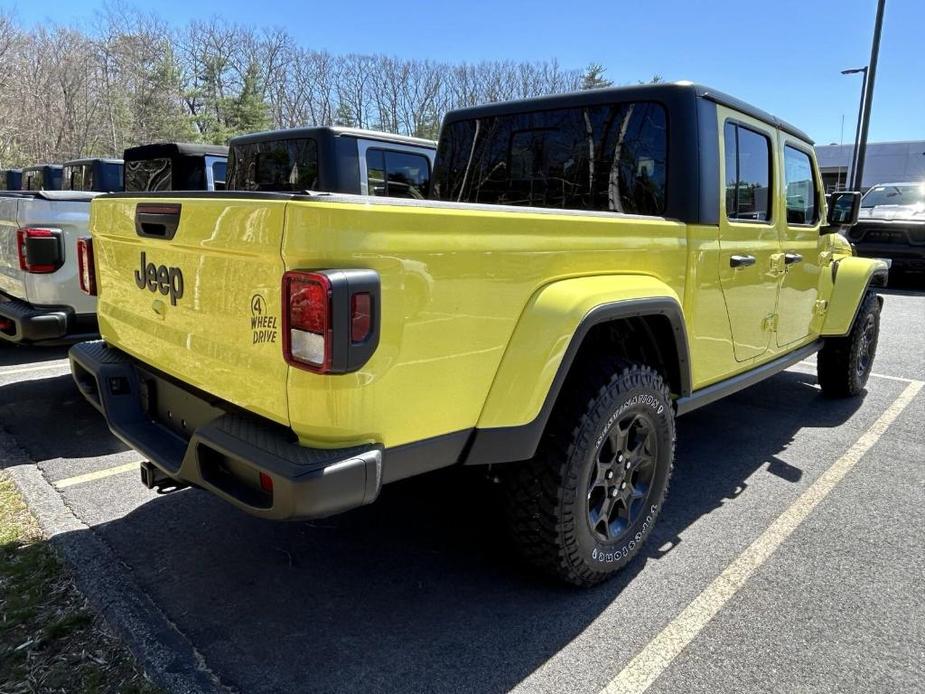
658 655
98 475
39 367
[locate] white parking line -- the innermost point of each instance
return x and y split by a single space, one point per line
98 475
658 655
45 366
874 375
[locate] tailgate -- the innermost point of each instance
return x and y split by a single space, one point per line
192 287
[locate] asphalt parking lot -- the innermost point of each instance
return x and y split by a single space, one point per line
788 557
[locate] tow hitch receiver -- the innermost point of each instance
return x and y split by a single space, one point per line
154 479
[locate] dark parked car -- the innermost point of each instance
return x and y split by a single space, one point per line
892 225
175 166
44 177
10 179
93 175
332 159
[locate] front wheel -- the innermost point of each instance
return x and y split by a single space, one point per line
582 509
844 363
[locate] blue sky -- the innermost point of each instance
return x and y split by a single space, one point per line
784 56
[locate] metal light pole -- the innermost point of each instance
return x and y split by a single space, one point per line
869 95
857 133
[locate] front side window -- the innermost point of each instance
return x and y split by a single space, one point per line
279 165
604 157
748 173
78 177
397 174
800 186
148 175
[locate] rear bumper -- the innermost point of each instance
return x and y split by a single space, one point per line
24 323
218 450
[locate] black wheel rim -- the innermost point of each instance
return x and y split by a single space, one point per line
624 468
865 346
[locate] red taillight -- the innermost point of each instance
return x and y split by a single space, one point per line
307 329
39 250
86 269
361 316
266 483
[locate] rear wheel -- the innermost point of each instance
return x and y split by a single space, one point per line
582 508
844 363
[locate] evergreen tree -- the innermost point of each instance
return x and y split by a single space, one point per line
593 77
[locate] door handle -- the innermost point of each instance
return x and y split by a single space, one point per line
741 260
791 258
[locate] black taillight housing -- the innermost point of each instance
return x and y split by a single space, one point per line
39 250
330 319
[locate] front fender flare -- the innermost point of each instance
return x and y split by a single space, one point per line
544 344
852 277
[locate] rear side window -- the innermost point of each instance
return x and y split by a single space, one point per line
748 174
801 187
148 175
397 174
219 172
279 165
78 177
603 157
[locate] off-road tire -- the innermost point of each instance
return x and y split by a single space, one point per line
844 363
548 497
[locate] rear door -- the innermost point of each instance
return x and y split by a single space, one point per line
192 287
749 239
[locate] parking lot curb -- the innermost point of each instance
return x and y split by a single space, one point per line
165 654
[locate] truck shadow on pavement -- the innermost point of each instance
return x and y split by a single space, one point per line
22 355
420 591
50 419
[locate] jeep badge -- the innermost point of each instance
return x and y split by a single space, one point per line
166 280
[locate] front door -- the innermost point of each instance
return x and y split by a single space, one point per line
800 243
750 253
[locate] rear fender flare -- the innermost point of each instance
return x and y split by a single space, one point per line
542 349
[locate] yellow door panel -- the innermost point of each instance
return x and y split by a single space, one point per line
800 198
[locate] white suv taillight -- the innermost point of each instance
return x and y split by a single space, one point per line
86 269
39 250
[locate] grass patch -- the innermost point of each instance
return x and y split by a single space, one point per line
50 639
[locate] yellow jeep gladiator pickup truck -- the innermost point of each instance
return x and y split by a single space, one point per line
587 267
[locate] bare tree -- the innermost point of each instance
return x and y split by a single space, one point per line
132 78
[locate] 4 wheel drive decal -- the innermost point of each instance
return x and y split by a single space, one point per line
263 325
166 280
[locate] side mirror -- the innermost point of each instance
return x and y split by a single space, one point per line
844 208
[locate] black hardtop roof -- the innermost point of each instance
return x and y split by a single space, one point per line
633 93
90 160
170 149
332 131
39 167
